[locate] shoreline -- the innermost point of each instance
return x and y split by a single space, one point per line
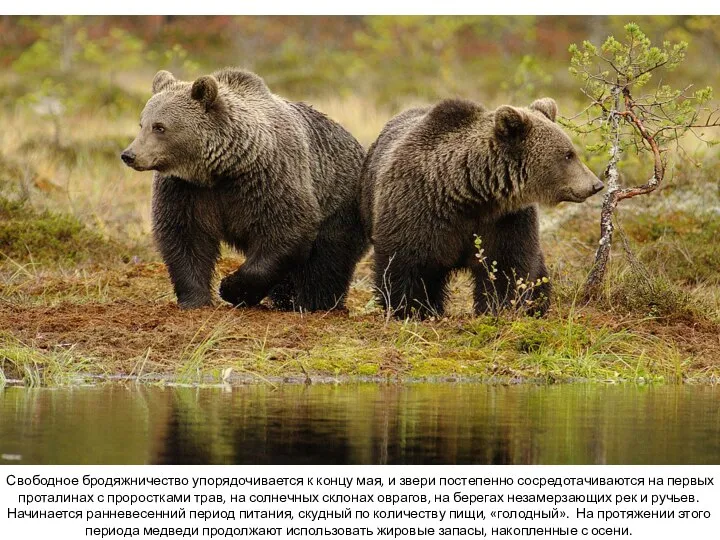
61 343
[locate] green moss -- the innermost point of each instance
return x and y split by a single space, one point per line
559 336
40 237
368 369
436 367
478 333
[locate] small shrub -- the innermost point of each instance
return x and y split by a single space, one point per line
684 246
651 295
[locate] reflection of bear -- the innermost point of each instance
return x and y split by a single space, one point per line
437 176
277 180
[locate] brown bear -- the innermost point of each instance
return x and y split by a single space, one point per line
277 180
439 177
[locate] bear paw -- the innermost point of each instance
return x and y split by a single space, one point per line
194 301
234 291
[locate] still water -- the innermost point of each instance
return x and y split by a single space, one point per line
363 423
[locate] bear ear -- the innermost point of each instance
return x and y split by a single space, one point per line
161 81
511 124
205 90
547 106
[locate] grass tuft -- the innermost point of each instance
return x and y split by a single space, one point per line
48 237
38 367
194 357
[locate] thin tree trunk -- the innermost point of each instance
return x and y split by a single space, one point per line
615 193
602 255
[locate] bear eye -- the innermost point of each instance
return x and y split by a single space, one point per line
569 155
158 128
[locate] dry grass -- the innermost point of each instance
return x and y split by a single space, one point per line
128 324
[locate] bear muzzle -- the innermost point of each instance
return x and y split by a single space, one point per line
579 194
128 158
583 194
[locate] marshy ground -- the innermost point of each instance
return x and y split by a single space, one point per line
84 293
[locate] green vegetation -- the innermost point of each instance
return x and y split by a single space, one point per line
159 342
195 355
38 367
623 114
491 57
83 293
30 238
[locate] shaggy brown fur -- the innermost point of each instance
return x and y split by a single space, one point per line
277 180
438 176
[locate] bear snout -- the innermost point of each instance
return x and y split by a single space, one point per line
128 158
597 187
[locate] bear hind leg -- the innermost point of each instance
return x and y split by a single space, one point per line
321 284
410 291
323 281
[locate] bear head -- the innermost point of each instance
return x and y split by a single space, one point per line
185 130
552 169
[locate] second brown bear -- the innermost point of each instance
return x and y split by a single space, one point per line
437 177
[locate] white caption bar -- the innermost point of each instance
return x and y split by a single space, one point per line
642 502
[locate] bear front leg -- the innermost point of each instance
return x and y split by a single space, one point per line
188 250
252 282
540 294
514 274
192 275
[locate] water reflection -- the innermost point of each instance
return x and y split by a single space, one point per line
366 423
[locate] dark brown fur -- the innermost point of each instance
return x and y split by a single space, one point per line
274 179
438 176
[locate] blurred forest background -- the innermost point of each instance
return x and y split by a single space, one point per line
105 63
75 222
72 88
